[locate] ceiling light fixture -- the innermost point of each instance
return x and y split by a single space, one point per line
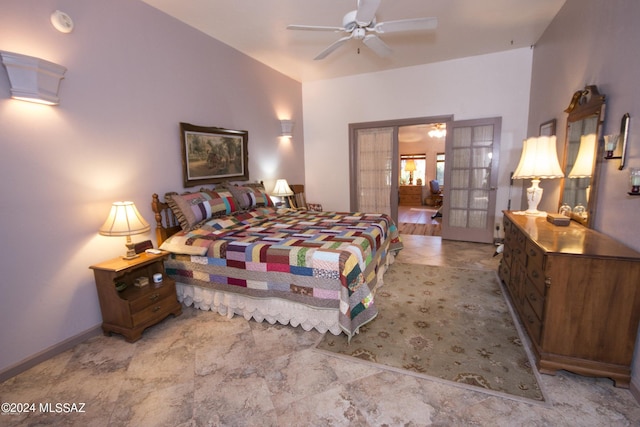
439 131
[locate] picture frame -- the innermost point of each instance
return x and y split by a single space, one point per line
548 128
212 155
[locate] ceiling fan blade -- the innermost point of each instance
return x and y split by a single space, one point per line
377 45
406 25
331 48
367 11
314 28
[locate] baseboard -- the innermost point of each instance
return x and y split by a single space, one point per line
635 390
48 353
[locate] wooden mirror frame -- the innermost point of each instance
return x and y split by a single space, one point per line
586 108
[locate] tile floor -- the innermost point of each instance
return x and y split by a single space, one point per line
202 369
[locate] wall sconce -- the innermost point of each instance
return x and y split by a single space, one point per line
33 79
635 182
286 128
611 142
539 160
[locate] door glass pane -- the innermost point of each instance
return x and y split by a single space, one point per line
461 158
479 199
462 137
477 219
459 198
457 217
479 178
459 178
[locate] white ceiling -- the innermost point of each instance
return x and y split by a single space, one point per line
465 28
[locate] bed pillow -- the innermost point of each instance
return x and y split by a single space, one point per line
193 208
251 196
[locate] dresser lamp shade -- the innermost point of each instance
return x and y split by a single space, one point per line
282 189
124 220
410 166
539 160
583 167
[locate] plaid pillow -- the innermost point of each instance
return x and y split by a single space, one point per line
249 197
193 208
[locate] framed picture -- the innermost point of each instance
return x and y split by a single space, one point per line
548 128
211 155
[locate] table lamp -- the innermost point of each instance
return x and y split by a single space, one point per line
539 160
282 189
125 220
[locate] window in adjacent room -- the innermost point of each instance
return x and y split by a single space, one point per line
408 177
440 168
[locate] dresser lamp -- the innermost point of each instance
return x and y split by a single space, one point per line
282 189
410 166
125 220
539 160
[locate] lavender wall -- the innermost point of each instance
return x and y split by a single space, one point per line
133 75
595 42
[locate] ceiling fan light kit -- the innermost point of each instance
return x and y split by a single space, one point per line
361 25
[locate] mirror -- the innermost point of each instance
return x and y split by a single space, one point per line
582 154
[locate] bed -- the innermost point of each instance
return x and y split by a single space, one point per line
232 251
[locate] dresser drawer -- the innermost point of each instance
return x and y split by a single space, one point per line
152 295
535 266
532 323
411 190
158 307
504 271
536 300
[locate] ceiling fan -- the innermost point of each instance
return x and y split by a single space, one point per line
361 24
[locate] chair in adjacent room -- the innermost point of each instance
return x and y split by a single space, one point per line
435 196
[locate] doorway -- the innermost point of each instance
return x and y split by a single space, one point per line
471 155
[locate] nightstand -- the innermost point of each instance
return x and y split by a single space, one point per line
130 311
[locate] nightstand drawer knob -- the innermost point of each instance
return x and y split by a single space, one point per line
157 308
154 297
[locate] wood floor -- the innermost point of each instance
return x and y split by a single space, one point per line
417 220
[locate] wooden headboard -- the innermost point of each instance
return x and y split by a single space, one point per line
166 222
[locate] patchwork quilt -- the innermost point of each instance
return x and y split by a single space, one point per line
330 260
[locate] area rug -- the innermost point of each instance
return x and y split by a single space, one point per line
445 323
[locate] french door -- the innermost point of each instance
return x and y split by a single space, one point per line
374 170
471 175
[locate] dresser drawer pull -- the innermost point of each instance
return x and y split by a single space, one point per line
532 252
157 308
154 297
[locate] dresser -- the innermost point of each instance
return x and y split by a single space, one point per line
577 293
410 195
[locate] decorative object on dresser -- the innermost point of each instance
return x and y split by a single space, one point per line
125 220
577 292
539 160
212 154
127 308
410 195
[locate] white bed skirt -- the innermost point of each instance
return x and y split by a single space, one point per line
270 309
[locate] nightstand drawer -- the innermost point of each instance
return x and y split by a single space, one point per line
157 308
151 295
